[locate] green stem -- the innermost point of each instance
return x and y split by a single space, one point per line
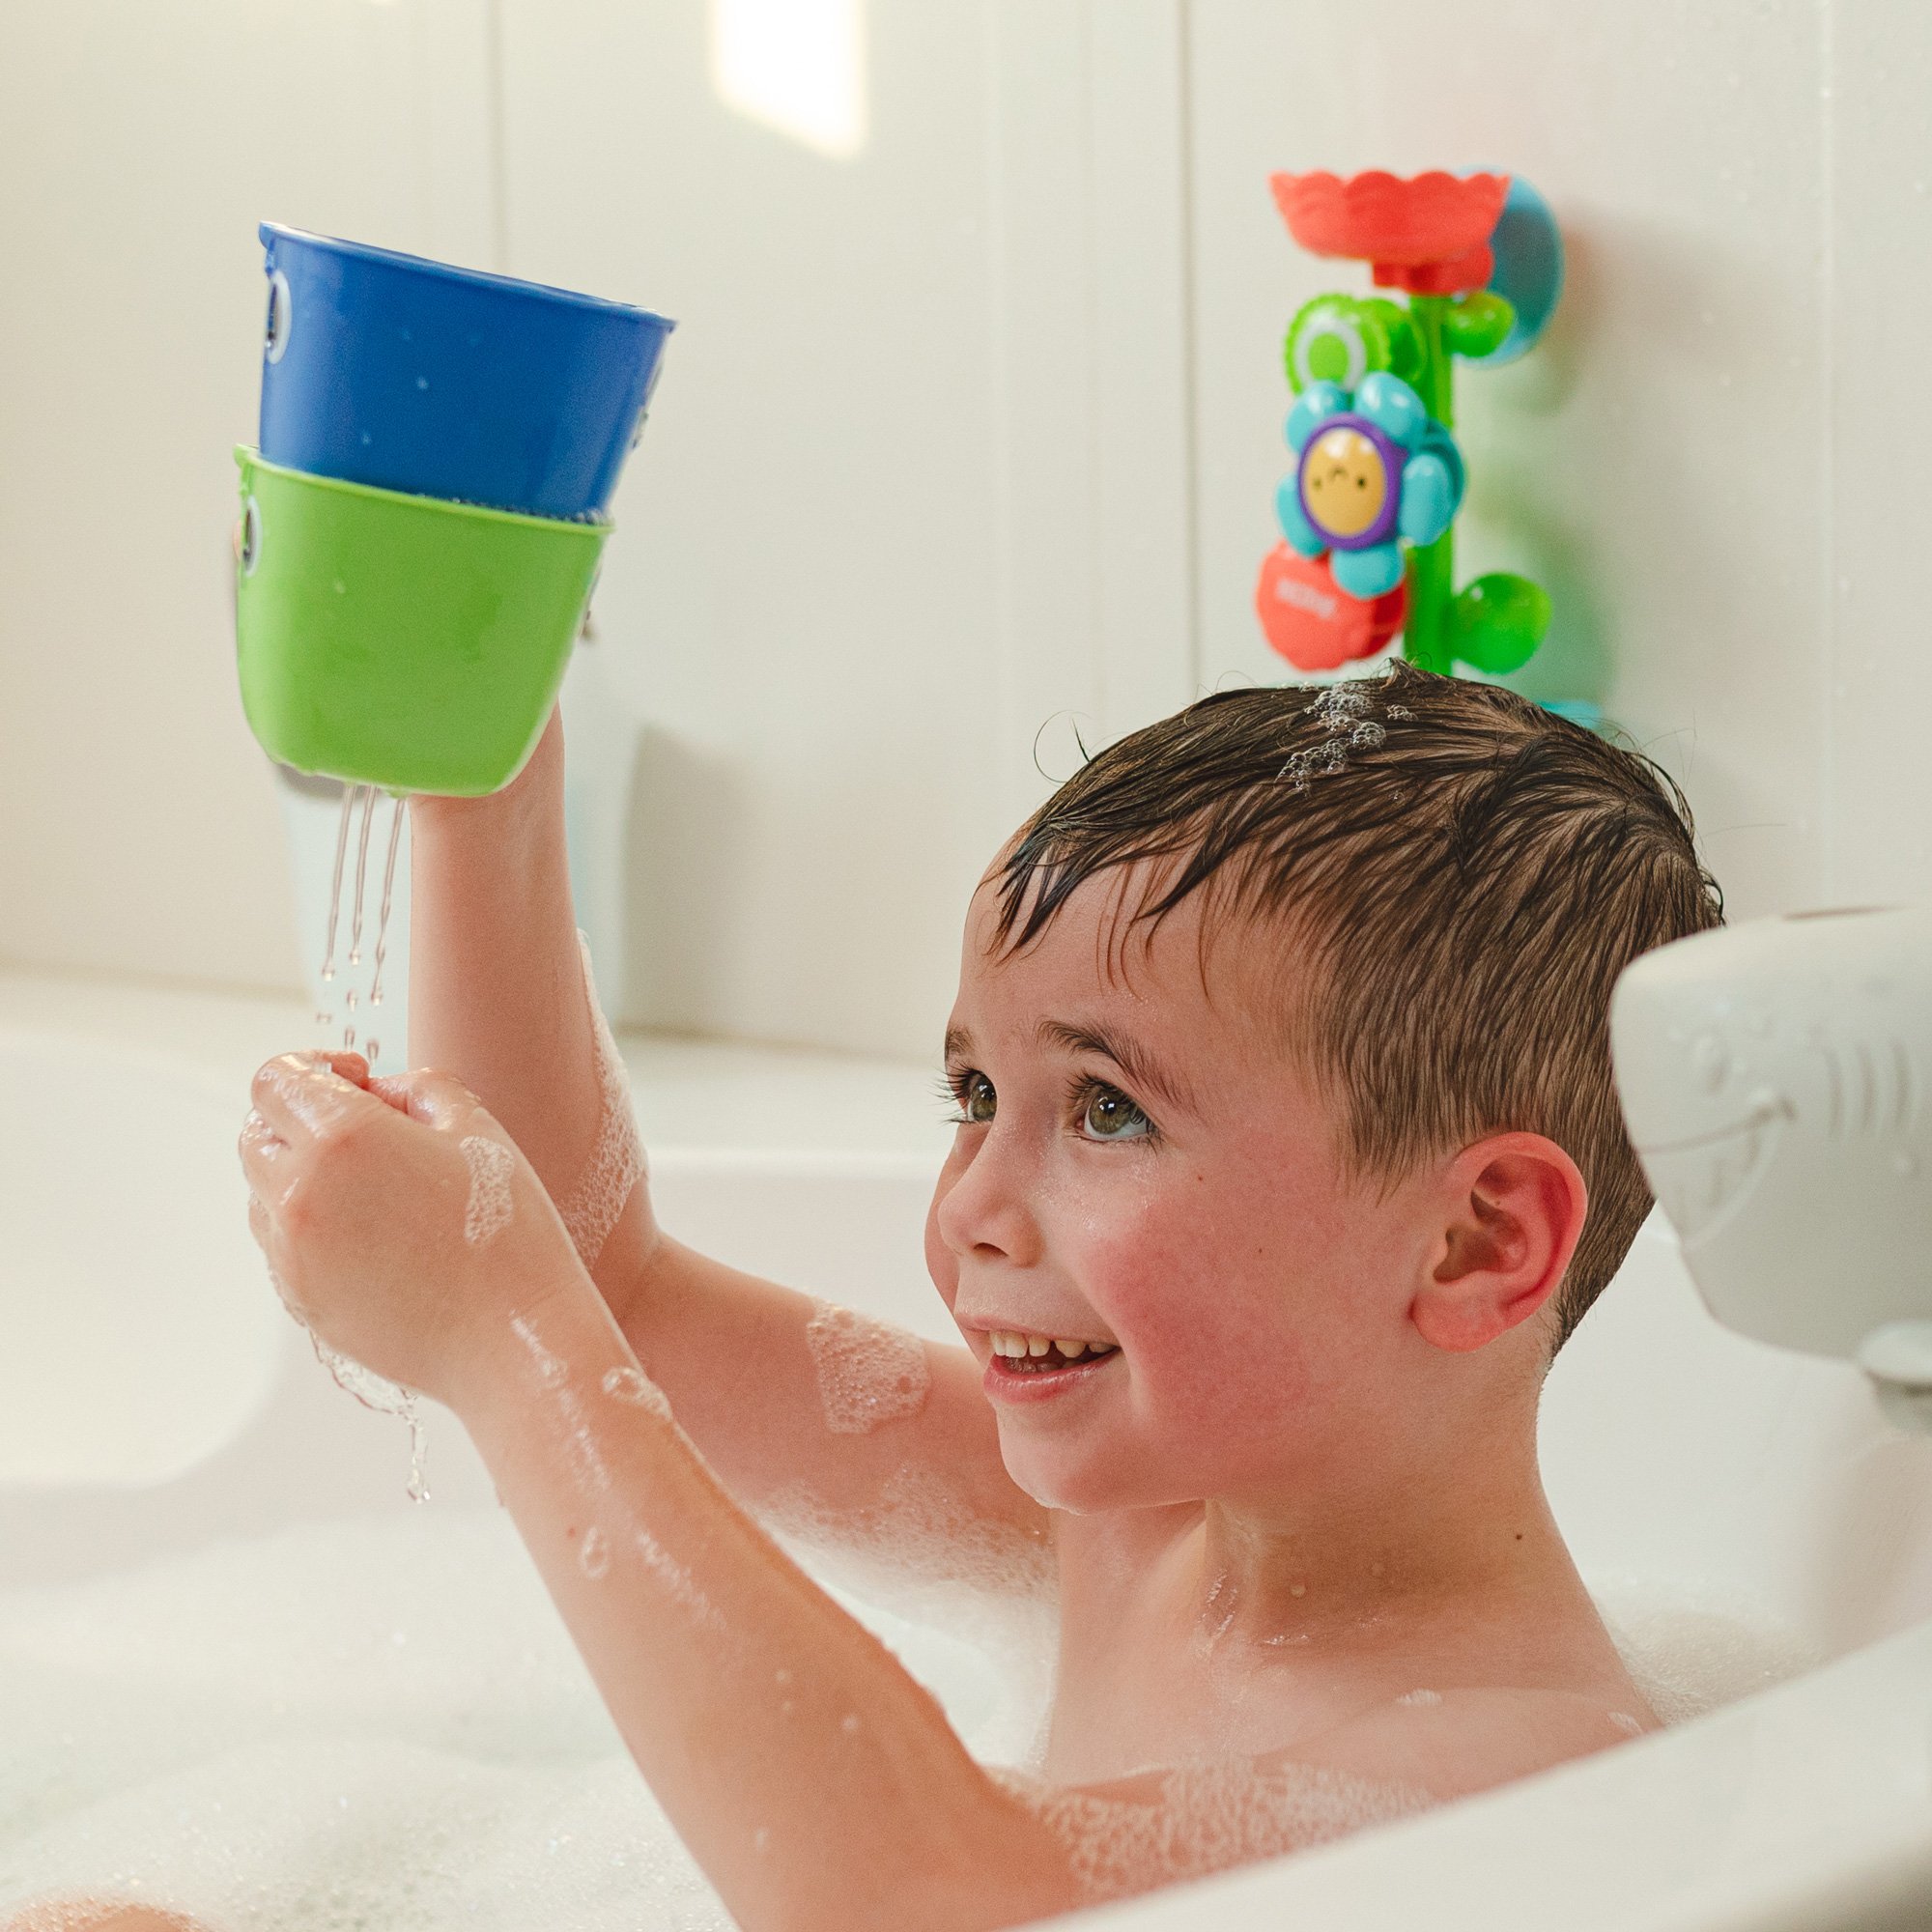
1432 567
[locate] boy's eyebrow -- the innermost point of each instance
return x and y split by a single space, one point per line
1142 1069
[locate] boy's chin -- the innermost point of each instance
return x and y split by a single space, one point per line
1080 1484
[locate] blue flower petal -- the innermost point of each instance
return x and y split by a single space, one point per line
1393 407
1294 521
1315 403
1368 573
1428 499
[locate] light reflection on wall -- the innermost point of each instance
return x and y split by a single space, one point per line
795 66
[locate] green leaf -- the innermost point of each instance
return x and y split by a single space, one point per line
1477 323
1495 623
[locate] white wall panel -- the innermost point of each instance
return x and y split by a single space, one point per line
140 144
1880 454
969 437
796 610
914 485
1656 462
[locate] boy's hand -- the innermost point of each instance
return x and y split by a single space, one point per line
400 1222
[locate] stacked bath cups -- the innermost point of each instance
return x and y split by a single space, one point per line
423 522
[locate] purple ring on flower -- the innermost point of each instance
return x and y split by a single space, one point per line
1382 527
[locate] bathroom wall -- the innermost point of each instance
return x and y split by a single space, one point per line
967 440
139 145
1712 459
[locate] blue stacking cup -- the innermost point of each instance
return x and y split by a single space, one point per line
402 374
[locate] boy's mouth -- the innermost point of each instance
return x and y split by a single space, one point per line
1037 1363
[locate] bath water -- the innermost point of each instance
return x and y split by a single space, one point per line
384 1723
360 801
386 1397
378 1725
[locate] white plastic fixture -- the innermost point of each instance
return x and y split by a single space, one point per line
1776 1080
795 66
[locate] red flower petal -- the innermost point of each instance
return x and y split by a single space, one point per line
1394 223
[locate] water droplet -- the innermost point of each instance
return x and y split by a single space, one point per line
335 884
633 1386
595 1557
419 1486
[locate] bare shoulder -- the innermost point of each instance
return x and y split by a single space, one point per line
1132 1834
1454 1741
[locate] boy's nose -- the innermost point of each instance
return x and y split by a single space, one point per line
984 1208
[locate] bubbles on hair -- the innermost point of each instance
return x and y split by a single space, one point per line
1343 713
359 812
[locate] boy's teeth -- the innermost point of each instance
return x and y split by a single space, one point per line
1017 1346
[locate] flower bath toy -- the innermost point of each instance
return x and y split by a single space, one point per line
1372 468
1368 512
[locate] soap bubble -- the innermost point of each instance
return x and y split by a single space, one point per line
490 1165
868 1373
631 1385
1206 1818
593 1207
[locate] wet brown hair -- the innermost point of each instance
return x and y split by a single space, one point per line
1462 875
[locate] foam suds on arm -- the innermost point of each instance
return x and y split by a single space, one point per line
595 1205
868 1373
487 1211
1206 1818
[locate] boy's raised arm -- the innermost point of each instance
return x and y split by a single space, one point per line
784 1403
815 1781
497 987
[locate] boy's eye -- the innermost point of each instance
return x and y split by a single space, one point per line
1110 1115
978 1102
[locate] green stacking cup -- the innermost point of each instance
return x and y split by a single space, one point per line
402 642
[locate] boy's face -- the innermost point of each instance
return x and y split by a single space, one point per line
1141 1165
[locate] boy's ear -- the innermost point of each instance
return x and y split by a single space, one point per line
1512 1210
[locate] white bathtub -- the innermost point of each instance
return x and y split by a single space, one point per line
1696 1475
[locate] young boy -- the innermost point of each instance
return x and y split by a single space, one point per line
1282 1079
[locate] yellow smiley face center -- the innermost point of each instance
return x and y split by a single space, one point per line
1343 482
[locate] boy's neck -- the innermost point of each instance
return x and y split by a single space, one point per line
1276 1572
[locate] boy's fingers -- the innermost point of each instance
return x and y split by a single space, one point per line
436 1099
259 1146
299 1094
